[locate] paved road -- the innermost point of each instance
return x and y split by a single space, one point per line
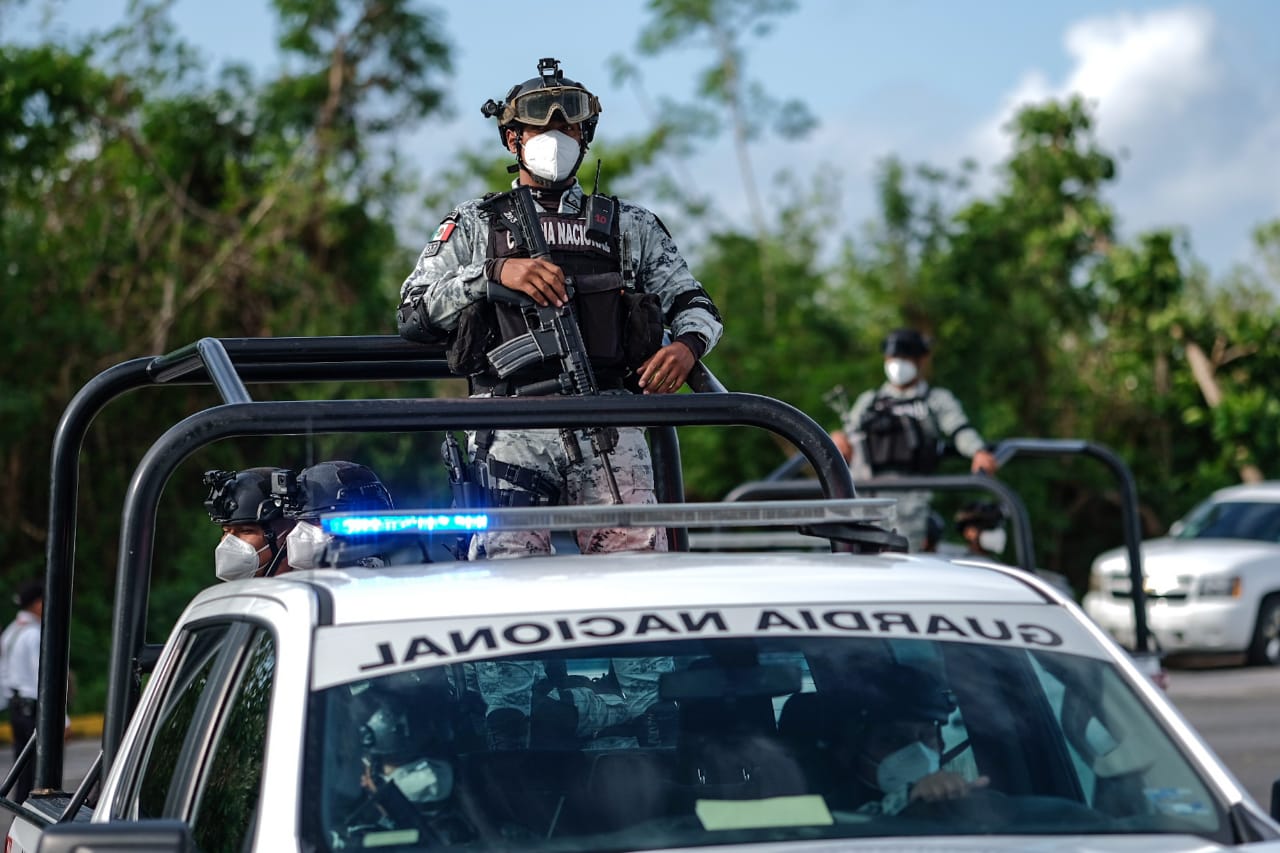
1234 709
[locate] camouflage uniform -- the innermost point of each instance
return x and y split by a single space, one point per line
450 275
945 420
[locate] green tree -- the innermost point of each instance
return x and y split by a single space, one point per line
147 205
727 96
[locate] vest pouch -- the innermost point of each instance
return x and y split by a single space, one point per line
600 316
642 327
896 441
476 334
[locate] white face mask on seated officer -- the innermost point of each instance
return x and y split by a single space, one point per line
306 546
906 766
235 558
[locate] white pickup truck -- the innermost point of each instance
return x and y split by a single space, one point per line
863 698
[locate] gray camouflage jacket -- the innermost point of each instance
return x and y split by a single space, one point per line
449 274
946 420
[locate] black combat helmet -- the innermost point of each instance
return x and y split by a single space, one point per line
534 102
385 736
337 487
905 343
981 514
904 692
242 497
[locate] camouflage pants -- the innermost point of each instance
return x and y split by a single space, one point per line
508 686
912 514
584 482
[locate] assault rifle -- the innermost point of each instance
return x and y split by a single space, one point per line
467 493
553 332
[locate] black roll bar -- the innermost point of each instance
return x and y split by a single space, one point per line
241 419
1007 450
231 420
355 357
1024 549
284 359
1058 447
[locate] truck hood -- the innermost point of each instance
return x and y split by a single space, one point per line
998 843
1172 557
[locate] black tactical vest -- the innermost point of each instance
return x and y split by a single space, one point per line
900 436
595 267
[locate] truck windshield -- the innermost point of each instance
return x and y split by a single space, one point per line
1257 520
731 740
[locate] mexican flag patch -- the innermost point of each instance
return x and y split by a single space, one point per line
443 232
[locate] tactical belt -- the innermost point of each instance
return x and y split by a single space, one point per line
528 482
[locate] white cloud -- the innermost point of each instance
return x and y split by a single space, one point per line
1196 134
1142 69
1138 72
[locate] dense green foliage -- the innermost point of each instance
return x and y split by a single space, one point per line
148 202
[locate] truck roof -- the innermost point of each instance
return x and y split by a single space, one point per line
659 580
1265 491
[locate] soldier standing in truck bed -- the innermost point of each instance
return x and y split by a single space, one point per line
904 426
628 282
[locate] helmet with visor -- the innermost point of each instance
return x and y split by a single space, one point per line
540 100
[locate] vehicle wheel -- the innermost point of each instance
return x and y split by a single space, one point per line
1265 648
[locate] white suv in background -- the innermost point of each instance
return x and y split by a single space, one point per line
1212 584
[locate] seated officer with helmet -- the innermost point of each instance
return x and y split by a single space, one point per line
613 263
981 525
335 486
903 427
254 526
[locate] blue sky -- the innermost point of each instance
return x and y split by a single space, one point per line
1187 93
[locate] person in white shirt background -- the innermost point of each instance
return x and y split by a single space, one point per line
20 673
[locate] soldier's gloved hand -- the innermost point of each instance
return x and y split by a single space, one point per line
666 370
539 279
984 462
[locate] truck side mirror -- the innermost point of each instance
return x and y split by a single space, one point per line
144 836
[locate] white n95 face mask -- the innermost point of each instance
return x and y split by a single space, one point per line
424 781
552 156
235 558
306 546
906 766
900 371
993 540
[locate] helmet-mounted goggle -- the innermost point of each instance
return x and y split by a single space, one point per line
536 101
538 108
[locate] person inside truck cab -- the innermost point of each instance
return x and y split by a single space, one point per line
889 744
407 777
254 527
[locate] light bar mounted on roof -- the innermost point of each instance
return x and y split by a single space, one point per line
878 512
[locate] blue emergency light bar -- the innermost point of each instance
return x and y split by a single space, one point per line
875 511
359 525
